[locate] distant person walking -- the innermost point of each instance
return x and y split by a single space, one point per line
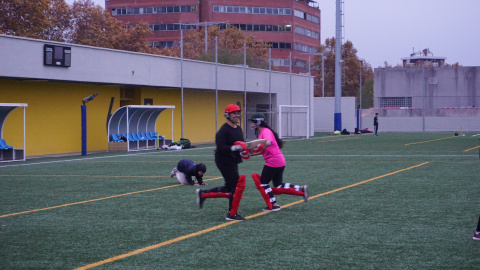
375 124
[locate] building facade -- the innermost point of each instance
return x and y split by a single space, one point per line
54 94
291 27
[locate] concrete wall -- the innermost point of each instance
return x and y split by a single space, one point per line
441 86
413 120
443 99
325 111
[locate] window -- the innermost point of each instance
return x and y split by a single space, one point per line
256 10
216 8
298 14
300 63
236 9
229 9
395 102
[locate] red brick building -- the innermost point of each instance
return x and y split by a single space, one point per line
290 26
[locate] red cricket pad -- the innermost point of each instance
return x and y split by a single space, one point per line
238 195
243 144
289 191
215 195
266 198
258 148
245 154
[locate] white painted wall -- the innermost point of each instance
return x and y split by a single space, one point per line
325 111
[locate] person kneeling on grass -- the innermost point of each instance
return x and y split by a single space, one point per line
185 171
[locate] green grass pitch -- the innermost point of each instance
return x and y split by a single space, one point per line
396 201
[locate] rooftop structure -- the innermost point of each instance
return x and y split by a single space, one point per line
423 58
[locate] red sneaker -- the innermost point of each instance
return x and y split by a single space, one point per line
476 236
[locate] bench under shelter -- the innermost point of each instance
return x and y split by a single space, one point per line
132 128
7 152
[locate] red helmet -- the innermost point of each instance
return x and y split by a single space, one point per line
232 108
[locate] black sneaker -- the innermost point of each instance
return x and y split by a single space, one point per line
236 217
200 200
274 208
305 193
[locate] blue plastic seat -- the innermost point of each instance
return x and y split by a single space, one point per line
140 137
4 146
150 137
132 138
115 138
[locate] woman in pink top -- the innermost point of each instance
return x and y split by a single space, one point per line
274 166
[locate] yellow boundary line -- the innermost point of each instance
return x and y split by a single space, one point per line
430 140
471 149
94 200
178 239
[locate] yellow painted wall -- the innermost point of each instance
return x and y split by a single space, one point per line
53 115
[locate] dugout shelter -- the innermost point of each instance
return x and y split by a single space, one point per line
11 152
136 124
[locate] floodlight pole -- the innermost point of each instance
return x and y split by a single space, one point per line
338 68
359 125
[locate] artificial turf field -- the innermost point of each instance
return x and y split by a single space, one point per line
396 201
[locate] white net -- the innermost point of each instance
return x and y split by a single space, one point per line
293 121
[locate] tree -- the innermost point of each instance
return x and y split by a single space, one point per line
82 23
25 18
350 70
230 47
94 26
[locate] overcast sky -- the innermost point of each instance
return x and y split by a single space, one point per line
387 30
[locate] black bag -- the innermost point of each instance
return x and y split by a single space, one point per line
184 143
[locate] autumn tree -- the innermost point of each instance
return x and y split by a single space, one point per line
230 43
350 70
94 26
25 18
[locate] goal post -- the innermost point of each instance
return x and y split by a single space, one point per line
293 121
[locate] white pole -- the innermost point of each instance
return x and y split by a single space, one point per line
245 89
338 67
216 84
181 76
